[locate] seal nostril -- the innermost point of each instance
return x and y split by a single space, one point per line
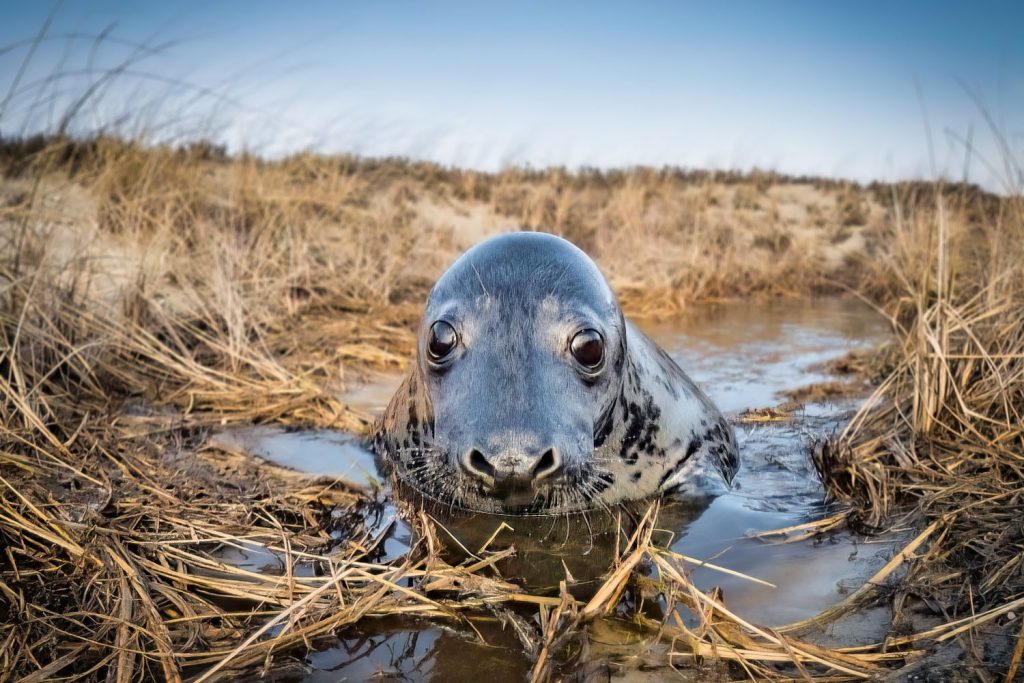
549 464
476 464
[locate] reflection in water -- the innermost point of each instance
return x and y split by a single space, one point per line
575 548
743 355
392 652
330 454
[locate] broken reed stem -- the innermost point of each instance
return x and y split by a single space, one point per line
287 613
869 587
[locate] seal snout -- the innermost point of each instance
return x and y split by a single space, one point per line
512 469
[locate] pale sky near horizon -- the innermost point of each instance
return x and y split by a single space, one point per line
825 88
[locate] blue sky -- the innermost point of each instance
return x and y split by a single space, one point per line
827 88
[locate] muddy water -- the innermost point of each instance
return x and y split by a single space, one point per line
745 356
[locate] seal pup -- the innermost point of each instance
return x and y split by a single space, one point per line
531 393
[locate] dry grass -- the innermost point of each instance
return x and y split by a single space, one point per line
147 295
358 232
943 435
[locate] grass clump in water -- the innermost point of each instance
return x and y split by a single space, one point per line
943 435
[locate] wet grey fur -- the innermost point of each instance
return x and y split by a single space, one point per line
512 389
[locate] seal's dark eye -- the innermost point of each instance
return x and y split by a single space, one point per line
442 341
588 348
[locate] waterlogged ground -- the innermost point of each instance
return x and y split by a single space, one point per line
746 356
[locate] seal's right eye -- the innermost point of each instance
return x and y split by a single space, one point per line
442 341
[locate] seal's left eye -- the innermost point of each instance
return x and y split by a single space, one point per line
442 341
588 348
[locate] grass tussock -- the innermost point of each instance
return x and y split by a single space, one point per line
149 294
943 434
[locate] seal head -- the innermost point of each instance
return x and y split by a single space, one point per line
528 391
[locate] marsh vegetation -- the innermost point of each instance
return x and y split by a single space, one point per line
150 296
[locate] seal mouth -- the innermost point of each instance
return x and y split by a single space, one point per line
511 481
514 494
479 500
501 498
548 486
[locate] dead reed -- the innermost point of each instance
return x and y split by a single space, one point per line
151 292
943 434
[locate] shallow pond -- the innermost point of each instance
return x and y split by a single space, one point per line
745 356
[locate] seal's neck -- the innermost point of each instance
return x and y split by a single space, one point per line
628 426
